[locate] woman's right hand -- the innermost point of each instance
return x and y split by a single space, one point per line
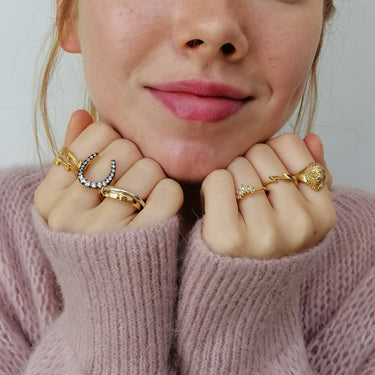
68 206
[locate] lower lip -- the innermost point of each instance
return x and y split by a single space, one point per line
198 108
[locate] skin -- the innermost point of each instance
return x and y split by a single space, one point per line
130 45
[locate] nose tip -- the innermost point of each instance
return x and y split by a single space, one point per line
227 49
209 35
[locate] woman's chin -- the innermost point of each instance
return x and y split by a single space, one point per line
190 162
186 172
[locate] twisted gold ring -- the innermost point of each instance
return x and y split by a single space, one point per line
246 190
122 195
314 175
67 159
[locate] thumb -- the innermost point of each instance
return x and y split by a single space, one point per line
315 146
78 122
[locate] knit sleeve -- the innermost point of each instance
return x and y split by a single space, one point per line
241 316
338 296
118 295
28 302
81 304
310 313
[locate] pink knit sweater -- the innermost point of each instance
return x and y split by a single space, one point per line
130 303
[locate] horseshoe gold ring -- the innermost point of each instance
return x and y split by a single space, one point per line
92 184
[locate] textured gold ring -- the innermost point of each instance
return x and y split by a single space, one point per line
122 195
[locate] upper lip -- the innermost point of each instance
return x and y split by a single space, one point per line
202 88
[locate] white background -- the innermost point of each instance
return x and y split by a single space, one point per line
345 118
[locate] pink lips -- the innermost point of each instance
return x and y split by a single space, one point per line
195 100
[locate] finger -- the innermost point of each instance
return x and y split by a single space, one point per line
267 163
139 180
291 221
244 174
164 201
223 226
315 146
124 152
78 122
95 138
61 190
294 154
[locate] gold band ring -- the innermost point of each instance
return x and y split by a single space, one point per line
67 159
284 177
246 190
314 175
122 195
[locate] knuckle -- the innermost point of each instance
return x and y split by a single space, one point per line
233 243
237 162
268 243
39 202
287 140
150 166
101 128
121 146
42 199
216 177
327 220
258 150
171 189
303 229
57 218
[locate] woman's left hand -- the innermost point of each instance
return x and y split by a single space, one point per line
285 221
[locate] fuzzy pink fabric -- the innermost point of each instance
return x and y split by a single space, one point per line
131 302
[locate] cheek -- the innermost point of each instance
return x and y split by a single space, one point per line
289 56
115 38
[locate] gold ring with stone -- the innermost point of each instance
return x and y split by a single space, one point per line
246 190
122 195
93 184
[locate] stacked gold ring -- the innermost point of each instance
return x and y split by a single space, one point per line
314 175
122 195
67 159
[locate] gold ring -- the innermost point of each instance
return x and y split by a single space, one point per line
246 190
122 195
284 177
314 175
67 159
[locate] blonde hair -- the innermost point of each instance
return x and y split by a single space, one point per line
66 11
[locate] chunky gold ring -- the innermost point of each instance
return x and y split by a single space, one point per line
314 175
122 195
246 190
67 159
92 184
